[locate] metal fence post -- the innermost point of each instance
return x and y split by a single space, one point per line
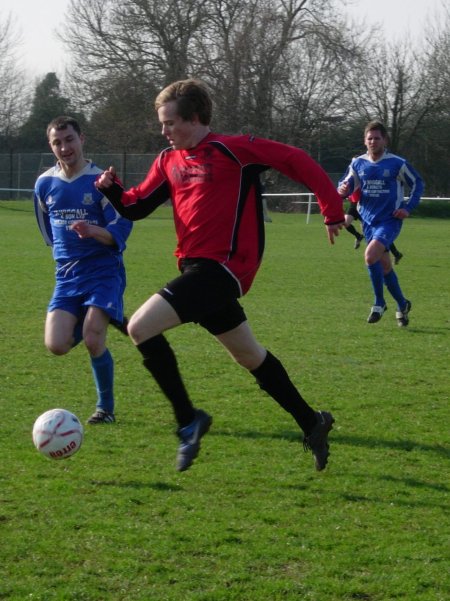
308 212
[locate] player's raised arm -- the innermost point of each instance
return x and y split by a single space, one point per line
106 179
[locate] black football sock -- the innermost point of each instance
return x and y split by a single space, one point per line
161 362
394 250
273 378
354 232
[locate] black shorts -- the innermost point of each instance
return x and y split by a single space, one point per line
205 293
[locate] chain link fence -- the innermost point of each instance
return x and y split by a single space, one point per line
18 171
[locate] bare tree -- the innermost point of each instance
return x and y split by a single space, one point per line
13 87
394 82
261 55
242 48
139 39
432 139
296 70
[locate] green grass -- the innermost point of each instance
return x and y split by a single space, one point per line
251 520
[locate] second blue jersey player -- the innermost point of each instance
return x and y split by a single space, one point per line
378 179
88 237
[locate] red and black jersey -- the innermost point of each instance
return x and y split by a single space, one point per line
216 197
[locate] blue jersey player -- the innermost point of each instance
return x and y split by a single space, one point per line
378 179
88 238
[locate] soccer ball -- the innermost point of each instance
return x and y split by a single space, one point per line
57 434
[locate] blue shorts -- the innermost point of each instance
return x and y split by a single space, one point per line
385 232
96 281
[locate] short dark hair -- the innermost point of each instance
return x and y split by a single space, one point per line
375 124
192 98
63 122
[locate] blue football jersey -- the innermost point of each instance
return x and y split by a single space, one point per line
380 186
59 201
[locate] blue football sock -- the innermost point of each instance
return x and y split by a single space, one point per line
377 279
391 281
103 370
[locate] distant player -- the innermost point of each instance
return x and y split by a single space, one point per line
88 237
380 177
213 182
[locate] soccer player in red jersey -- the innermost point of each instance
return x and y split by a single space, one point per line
213 183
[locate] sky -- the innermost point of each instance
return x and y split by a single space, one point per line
42 52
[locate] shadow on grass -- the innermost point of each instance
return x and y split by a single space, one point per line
403 494
400 445
393 501
416 483
442 331
162 486
335 438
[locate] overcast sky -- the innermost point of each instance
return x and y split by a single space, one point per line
38 19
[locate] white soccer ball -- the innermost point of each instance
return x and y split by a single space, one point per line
57 434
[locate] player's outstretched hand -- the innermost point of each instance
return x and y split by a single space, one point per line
344 189
106 179
333 231
401 214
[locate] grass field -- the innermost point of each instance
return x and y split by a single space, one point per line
251 520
